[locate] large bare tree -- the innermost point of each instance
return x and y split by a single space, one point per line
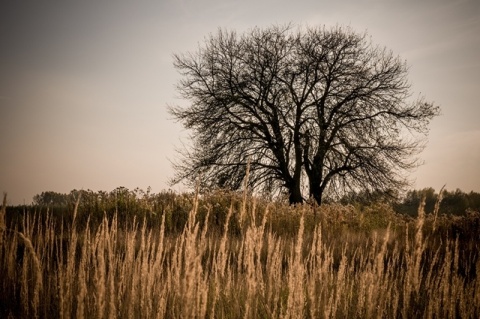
314 111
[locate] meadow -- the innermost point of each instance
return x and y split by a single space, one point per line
228 255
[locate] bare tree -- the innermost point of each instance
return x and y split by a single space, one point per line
315 111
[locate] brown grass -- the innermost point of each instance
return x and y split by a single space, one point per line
284 263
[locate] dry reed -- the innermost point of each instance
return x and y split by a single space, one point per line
324 270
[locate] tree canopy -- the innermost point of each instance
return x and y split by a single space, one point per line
314 111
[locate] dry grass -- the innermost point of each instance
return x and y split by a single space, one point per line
3 226
320 268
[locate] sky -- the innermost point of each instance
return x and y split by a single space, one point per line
85 85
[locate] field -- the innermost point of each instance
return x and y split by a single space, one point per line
234 256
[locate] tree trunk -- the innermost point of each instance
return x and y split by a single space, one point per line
294 191
316 191
317 195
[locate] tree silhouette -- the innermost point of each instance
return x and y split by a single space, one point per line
314 111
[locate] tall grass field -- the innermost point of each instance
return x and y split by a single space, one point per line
239 257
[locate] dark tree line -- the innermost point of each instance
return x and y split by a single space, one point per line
125 201
314 112
455 202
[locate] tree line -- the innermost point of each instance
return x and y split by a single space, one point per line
452 203
125 201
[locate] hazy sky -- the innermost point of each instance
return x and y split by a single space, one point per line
84 85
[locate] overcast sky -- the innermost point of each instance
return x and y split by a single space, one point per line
84 85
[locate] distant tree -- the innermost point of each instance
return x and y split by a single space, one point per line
51 198
455 203
314 111
367 198
474 201
412 199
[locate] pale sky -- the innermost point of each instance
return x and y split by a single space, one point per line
84 85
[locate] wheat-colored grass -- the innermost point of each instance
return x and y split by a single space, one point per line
320 268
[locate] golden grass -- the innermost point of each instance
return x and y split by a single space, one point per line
321 268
